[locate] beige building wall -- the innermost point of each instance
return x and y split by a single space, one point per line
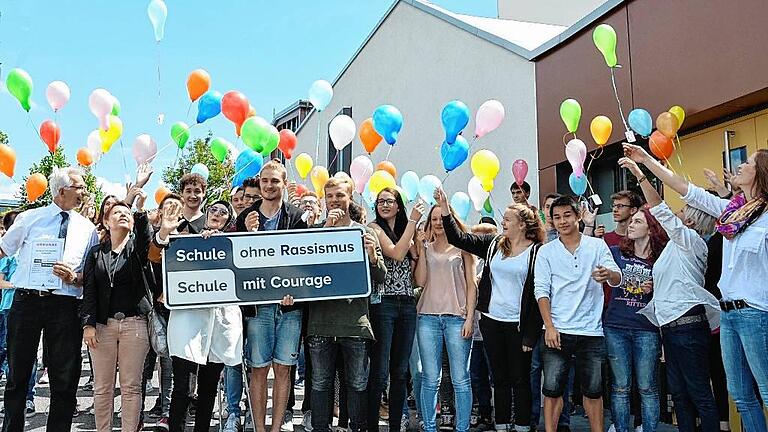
559 12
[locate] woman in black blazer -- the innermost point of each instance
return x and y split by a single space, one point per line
114 311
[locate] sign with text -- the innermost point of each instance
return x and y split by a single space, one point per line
263 267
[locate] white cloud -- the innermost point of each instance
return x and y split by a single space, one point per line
109 188
9 191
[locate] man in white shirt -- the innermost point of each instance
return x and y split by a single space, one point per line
50 309
568 281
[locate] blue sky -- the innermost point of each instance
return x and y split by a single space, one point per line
269 50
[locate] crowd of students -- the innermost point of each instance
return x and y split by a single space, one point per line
474 323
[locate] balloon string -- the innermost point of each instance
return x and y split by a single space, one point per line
189 108
292 170
122 154
589 184
618 101
157 57
334 159
594 156
32 125
317 142
388 152
678 149
157 152
176 161
447 174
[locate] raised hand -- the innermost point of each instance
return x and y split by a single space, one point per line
252 221
170 218
631 165
143 173
442 201
636 153
417 212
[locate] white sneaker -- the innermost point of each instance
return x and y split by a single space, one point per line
248 423
404 423
306 421
43 377
612 428
233 424
639 428
29 410
287 425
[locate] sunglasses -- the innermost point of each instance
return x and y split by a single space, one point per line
218 210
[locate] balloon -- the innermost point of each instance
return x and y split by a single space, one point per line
303 164
112 134
220 148
251 111
287 142
570 112
160 193
157 12
272 141
93 142
576 153
57 94
342 131
578 183
320 94
388 167
7 160
661 145
360 170
387 121
455 117
100 102
379 180
489 116
368 135
427 186
201 169
519 171
198 82
477 193
410 184
640 121
209 105
604 37
235 106
256 133
667 124
19 84
319 176
180 134
115 107
485 166
36 186
453 155
84 156
461 204
144 149
601 128
301 190
487 209
247 165
678 112
50 134
368 196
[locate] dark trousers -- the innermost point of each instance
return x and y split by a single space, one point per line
481 376
306 404
57 317
207 381
324 351
719 386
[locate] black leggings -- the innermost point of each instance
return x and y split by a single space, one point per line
207 382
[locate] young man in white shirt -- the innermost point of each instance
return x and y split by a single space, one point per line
568 281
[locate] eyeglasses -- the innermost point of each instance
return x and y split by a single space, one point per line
218 210
620 206
250 197
386 202
77 188
308 202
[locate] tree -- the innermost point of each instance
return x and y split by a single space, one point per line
198 151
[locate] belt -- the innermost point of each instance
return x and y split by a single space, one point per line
685 320
121 316
729 305
33 292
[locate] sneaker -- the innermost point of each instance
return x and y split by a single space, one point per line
43 377
612 428
306 421
88 386
287 425
30 410
162 424
249 423
384 411
233 424
76 412
404 423
156 411
639 428
148 388
446 422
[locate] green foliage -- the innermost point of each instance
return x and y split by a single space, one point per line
198 151
3 138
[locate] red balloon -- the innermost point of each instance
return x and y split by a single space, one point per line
50 134
301 190
661 146
287 142
235 107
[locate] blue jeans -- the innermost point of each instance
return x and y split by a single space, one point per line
481 384
633 352
589 354
536 371
273 336
432 330
744 341
233 386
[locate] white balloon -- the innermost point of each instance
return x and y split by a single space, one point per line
477 194
342 130
57 94
93 143
144 149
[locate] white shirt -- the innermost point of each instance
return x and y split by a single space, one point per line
507 281
576 300
745 258
42 223
212 334
678 274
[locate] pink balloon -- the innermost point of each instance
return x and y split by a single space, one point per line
576 153
519 171
144 149
57 94
100 102
488 117
361 170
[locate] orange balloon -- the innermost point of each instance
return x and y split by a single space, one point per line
368 135
198 83
7 160
388 167
251 111
160 193
668 124
36 186
84 156
661 145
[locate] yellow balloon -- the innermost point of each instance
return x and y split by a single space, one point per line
303 164
319 176
601 128
678 112
379 180
109 136
485 166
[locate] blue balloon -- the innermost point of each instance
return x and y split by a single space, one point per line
455 154
201 169
455 117
640 121
320 94
387 121
248 164
209 105
410 184
578 183
427 186
461 204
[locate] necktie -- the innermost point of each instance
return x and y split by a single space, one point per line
64 225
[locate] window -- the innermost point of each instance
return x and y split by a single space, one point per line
738 157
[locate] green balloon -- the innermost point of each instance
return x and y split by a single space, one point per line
255 133
272 141
116 108
487 205
219 148
19 84
604 37
180 134
570 112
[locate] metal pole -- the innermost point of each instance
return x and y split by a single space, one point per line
727 149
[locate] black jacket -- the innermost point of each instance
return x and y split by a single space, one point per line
96 287
486 246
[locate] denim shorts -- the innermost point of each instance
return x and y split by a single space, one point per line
273 336
590 355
